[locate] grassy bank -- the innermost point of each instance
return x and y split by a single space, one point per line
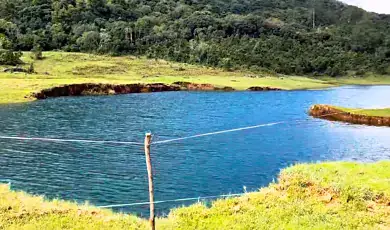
58 68
19 210
367 112
307 196
372 117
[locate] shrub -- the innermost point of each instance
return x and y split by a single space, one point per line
36 53
31 69
9 57
226 64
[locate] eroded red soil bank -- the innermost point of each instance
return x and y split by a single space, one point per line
111 89
328 112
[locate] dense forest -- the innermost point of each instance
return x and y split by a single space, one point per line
313 37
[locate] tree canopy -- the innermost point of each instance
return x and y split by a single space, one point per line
285 36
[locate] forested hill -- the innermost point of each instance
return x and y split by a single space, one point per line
286 36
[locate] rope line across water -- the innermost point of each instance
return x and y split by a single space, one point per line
156 202
163 141
70 140
168 201
217 132
245 128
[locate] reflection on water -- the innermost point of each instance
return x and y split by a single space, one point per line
109 174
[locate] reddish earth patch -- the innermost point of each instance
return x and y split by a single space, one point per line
259 88
101 89
328 112
110 89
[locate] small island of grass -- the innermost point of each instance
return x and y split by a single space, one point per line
374 117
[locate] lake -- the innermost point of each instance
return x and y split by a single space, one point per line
212 165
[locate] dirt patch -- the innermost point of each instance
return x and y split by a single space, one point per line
101 89
111 89
328 112
260 88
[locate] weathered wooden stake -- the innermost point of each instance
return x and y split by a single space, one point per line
148 139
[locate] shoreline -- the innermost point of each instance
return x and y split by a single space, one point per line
92 89
331 113
60 69
101 89
104 89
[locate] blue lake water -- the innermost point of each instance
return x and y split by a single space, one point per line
212 165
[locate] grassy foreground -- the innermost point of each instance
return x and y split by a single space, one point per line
59 68
367 112
307 196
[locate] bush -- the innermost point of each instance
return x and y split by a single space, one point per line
36 53
360 73
89 41
31 69
226 64
8 57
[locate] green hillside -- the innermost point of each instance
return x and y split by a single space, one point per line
322 37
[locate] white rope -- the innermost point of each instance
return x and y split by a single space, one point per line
246 128
164 141
167 201
218 132
156 202
70 140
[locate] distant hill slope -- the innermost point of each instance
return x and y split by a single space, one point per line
285 36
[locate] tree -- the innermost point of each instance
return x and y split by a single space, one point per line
266 35
90 41
36 53
4 42
8 57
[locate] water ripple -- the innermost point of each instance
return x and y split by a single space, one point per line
198 167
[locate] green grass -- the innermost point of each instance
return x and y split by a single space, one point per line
319 196
370 79
19 210
338 195
367 112
59 68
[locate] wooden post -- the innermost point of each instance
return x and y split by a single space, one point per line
148 139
